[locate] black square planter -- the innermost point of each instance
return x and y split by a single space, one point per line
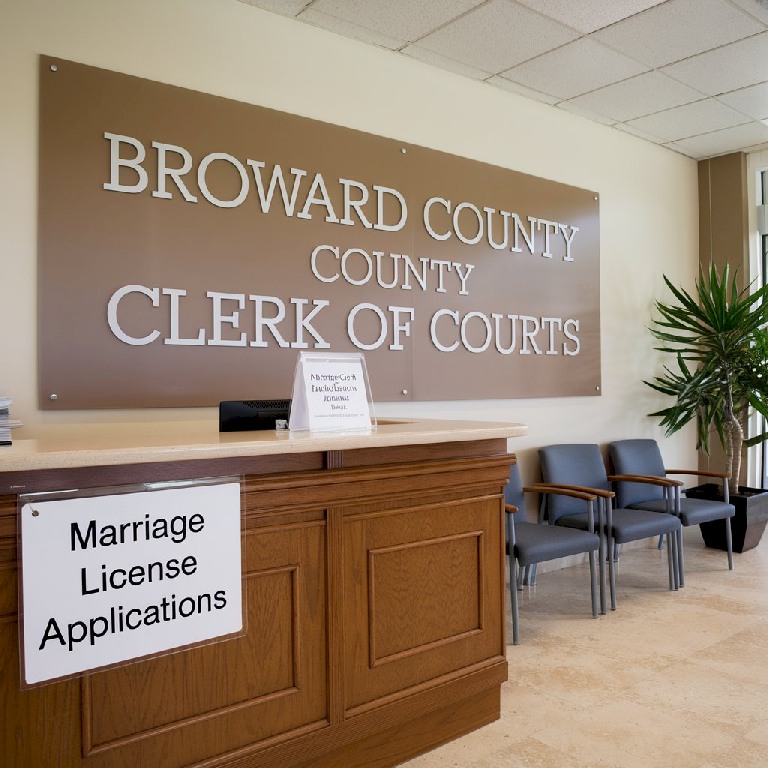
747 525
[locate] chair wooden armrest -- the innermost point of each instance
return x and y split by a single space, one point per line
561 491
700 472
585 494
666 482
511 508
583 488
577 492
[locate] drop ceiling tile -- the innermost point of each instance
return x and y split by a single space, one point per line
734 66
347 29
442 62
756 8
678 29
626 128
642 95
689 120
587 17
283 7
727 140
497 35
567 106
752 101
576 68
397 18
521 90
695 155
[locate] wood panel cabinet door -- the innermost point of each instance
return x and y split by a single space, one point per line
241 694
423 582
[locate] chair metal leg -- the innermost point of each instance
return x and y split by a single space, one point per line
601 554
611 574
680 559
660 545
601 568
729 542
593 583
513 592
671 547
608 517
521 576
677 541
532 570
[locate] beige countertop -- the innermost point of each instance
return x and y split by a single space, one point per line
58 447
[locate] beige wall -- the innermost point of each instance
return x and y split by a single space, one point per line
648 210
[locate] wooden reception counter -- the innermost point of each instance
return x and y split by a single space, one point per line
374 583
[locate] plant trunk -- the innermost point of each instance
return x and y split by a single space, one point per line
734 435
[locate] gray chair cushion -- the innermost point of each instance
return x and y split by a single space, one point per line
536 543
693 511
630 524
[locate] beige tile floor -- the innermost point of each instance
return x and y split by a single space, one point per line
669 679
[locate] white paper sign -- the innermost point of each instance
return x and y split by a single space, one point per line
330 393
116 577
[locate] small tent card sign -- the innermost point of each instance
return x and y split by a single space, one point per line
331 393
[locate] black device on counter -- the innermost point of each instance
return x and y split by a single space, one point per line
246 415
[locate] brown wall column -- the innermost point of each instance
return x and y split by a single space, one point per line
723 228
723 237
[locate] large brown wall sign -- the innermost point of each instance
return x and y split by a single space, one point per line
191 246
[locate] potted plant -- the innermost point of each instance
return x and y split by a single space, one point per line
718 336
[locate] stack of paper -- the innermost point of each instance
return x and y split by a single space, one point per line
6 422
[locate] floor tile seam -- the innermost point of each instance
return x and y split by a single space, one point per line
621 756
759 644
563 758
703 669
611 647
722 634
660 666
735 728
693 641
720 603
694 720
760 742
736 671
575 702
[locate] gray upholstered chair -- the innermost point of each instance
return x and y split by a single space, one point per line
581 466
643 457
531 543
